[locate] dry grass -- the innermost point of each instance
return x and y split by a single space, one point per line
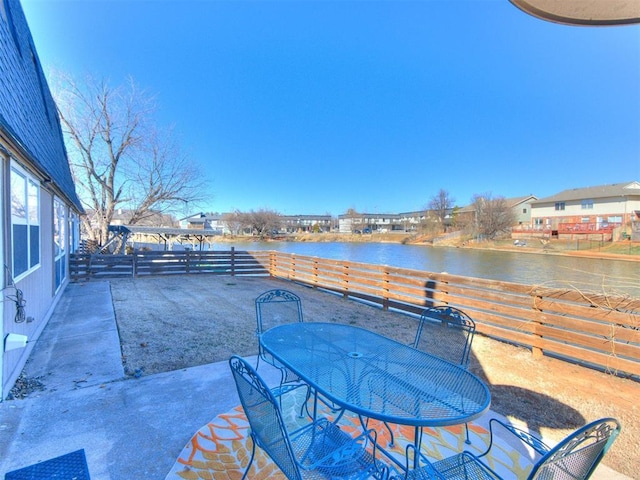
168 323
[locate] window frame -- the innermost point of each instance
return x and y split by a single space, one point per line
60 241
587 204
30 218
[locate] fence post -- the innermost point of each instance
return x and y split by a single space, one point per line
233 261
273 263
385 289
316 279
292 267
345 280
536 338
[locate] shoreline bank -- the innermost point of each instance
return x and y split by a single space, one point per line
551 248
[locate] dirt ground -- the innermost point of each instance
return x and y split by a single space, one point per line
173 322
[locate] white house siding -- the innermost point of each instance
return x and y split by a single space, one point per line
592 212
603 209
31 140
38 290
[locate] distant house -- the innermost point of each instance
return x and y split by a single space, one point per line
588 211
211 222
40 223
152 219
521 207
411 221
306 223
370 222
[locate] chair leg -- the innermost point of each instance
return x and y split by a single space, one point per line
305 404
390 434
466 429
253 452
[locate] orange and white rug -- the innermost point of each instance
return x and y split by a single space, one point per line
221 449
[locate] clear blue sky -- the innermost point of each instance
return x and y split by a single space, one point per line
318 107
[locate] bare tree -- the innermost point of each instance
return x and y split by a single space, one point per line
264 221
118 158
441 204
493 216
233 222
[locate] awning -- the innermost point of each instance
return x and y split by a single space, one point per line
583 12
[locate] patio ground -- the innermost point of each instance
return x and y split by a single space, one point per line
211 318
169 325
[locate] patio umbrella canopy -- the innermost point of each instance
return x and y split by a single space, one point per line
583 12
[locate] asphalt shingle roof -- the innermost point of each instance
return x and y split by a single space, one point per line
601 191
28 113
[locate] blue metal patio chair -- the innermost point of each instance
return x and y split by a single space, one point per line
446 332
275 307
317 450
575 458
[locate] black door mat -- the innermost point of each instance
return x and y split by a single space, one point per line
72 466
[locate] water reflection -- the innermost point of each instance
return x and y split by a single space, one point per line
589 274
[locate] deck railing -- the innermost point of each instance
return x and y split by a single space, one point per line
592 328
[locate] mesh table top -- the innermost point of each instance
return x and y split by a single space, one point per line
377 377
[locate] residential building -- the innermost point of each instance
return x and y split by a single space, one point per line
204 221
40 225
411 221
307 223
369 222
591 211
521 207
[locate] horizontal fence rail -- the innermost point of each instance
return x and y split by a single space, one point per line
231 262
593 328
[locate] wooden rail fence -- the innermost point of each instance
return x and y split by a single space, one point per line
596 329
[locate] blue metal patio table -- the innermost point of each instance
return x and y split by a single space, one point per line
376 377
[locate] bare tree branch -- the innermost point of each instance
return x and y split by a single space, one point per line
118 158
493 216
441 204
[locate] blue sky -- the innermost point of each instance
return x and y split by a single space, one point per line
320 106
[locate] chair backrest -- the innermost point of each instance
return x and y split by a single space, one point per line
275 307
446 332
265 418
578 455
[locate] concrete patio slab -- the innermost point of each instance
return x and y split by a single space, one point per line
80 345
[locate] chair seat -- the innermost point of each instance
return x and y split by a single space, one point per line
317 450
575 457
461 466
285 388
464 465
325 451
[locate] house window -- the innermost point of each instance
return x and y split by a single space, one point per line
559 205
615 219
585 219
25 222
59 241
524 210
587 204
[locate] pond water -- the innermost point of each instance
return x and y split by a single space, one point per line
592 274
